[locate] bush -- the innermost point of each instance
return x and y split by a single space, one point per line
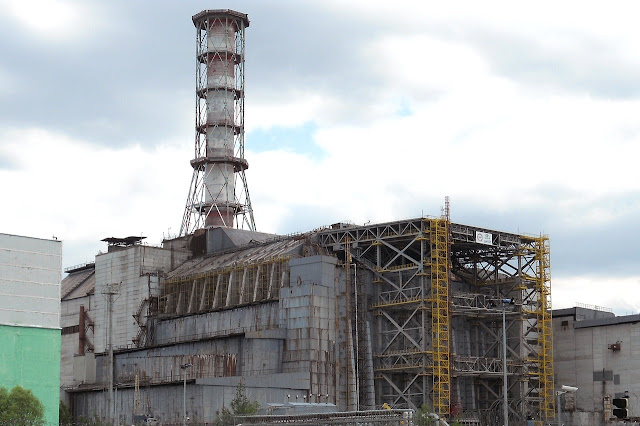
422 418
20 408
64 414
240 406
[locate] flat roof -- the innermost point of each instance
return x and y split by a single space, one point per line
220 12
54 239
603 322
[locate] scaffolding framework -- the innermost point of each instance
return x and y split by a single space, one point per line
440 325
421 315
540 274
414 310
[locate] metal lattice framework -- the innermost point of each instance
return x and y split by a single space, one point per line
440 324
218 194
540 274
437 316
224 288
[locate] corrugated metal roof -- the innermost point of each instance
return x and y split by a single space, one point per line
241 237
78 284
286 247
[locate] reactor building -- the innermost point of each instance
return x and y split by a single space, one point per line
401 314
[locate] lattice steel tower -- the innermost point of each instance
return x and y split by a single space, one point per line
218 195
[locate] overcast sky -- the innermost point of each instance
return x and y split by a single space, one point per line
526 114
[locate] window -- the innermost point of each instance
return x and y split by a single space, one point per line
70 330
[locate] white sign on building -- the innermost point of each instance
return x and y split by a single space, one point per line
484 238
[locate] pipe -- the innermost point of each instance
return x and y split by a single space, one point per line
357 345
505 407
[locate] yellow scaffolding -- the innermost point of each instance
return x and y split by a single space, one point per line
439 233
545 329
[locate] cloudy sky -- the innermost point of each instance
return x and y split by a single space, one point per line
526 114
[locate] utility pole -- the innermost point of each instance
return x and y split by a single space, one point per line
116 405
184 392
136 396
110 292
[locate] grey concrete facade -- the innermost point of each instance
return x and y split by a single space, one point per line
132 273
290 317
77 299
596 351
282 350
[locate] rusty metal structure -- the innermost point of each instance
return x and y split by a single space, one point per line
218 194
391 315
435 301
404 313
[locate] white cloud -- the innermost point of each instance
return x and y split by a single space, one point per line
285 108
606 292
421 63
82 193
54 20
473 127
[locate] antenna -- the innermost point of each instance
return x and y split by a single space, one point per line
445 212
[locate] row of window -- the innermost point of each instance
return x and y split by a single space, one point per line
70 330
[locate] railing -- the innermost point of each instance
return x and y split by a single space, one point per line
386 417
593 307
79 266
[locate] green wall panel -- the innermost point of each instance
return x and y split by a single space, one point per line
30 357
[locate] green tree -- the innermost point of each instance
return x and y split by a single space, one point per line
20 407
422 417
240 406
64 414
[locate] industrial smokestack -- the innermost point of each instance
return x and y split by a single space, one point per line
218 195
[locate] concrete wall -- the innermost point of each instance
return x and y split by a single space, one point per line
232 356
30 276
69 318
308 313
204 397
279 349
582 358
263 316
133 273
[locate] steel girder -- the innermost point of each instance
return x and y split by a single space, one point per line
399 257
